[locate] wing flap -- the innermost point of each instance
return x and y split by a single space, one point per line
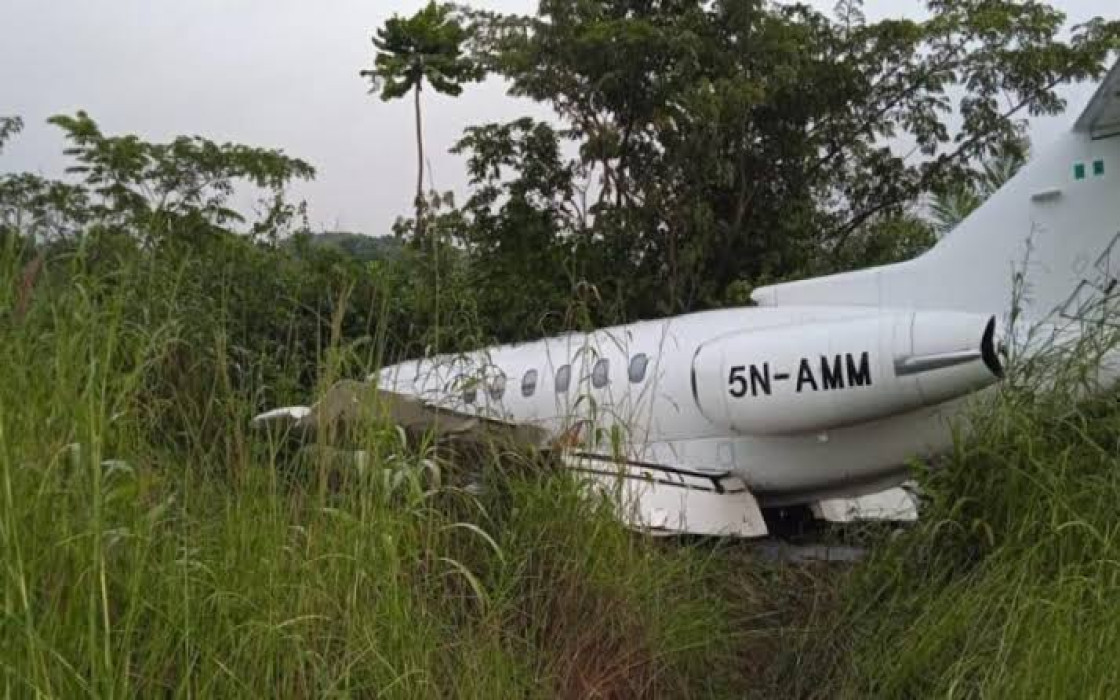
666 500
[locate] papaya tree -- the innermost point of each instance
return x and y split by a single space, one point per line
427 47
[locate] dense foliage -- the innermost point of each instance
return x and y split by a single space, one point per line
719 146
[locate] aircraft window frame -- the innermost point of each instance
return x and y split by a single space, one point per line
639 365
563 379
601 373
529 383
497 387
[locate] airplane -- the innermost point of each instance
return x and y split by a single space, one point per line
821 395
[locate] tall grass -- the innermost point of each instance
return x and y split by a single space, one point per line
147 553
152 545
1010 586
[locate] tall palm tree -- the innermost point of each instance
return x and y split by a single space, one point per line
427 47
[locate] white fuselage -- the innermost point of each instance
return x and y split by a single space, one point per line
655 416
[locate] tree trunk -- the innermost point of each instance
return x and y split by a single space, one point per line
419 203
421 213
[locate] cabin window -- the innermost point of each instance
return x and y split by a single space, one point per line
638 365
529 383
600 373
497 387
563 378
470 394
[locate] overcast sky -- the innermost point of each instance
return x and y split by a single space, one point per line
277 73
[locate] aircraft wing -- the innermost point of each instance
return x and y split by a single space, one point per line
654 498
659 499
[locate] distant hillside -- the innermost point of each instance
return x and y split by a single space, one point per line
356 245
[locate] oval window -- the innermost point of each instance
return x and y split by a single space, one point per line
497 387
563 378
600 374
470 394
638 365
529 383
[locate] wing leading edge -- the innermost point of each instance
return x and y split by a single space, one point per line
349 401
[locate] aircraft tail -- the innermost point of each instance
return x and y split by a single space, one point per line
1045 242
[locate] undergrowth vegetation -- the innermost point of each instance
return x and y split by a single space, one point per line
153 545
1009 586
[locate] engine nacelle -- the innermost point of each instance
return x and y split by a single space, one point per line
824 375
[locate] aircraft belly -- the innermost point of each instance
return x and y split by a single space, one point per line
852 456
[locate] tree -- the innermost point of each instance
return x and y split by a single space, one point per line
35 207
427 47
43 209
359 247
153 227
161 190
523 197
741 141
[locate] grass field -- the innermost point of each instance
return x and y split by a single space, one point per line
154 546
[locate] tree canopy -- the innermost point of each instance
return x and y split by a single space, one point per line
9 127
719 145
699 149
427 47
152 190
